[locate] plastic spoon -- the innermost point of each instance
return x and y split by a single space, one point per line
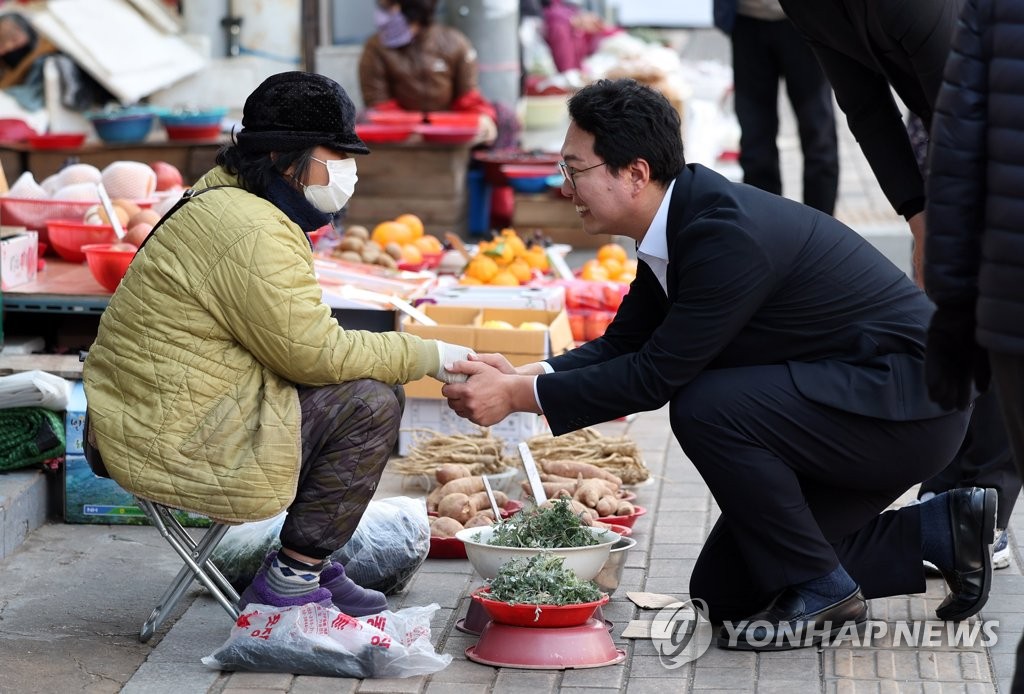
531 474
108 207
490 497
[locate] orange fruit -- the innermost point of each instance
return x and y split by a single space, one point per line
613 266
593 270
537 258
414 223
629 266
612 250
467 280
411 254
429 244
521 270
504 278
391 232
482 268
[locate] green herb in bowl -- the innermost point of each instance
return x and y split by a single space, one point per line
541 580
539 527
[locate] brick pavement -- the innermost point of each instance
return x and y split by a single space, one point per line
681 511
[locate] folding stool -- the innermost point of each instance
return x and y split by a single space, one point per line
195 554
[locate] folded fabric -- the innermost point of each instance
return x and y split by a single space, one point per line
34 389
29 436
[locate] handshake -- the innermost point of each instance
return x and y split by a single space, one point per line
449 354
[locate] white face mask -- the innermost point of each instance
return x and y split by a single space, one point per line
340 185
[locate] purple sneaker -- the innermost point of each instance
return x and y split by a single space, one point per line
260 593
350 598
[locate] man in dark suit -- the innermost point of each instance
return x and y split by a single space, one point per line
791 354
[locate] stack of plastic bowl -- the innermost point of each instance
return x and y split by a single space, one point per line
193 123
125 125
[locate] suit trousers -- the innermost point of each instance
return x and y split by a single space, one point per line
763 52
984 459
348 433
802 487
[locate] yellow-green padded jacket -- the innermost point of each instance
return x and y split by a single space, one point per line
190 380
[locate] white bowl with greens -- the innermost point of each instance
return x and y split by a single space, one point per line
552 528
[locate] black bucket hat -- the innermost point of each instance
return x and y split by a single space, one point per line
296 110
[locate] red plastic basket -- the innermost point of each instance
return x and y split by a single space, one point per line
539 616
34 214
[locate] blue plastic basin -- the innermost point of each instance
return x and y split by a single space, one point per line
123 128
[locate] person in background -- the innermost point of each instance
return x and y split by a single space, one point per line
790 353
765 49
868 50
572 33
974 257
415 64
219 382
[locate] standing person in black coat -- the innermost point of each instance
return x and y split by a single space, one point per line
975 252
869 48
765 49
791 355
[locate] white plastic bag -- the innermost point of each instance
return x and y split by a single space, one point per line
390 543
35 389
316 640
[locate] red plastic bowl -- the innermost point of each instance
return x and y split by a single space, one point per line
536 616
394 117
588 645
528 170
383 132
627 521
67 237
447 134
108 263
446 548
193 132
457 118
622 530
56 140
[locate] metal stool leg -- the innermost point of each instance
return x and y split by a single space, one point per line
196 556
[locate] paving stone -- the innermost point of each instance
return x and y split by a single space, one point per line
306 684
398 685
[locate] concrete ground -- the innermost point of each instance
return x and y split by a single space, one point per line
72 597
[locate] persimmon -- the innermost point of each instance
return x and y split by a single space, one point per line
414 223
612 250
388 232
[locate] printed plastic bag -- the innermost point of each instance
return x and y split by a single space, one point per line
390 543
316 640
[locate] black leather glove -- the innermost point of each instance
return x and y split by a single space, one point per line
953 359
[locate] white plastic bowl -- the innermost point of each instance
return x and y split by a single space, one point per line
585 562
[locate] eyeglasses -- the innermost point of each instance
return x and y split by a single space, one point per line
569 172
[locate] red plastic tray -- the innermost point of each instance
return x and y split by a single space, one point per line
447 134
383 132
56 141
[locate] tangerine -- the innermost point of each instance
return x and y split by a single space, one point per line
466 280
612 250
613 266
593 270
521 270
482 268
414 223
504 278
411 254
388 232
429 244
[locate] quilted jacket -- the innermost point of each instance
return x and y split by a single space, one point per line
975 249
190 382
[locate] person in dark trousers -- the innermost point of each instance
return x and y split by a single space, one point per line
974 259
790 352
765 49
867 50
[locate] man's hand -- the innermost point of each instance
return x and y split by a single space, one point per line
917 230
490 394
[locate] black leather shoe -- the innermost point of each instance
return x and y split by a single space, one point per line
786 624
973 515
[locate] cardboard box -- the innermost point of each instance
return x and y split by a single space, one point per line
423 415
92 499
463 325
541 298
19 257
74 420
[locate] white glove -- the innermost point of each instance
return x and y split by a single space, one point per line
449 354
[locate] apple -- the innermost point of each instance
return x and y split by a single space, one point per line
167 175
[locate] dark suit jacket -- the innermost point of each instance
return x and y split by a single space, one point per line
755 279
865 46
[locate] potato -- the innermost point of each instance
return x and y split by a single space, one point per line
457 506
351 257
443 526
394 250
357 231
385 260
351 243
480 520
447 472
